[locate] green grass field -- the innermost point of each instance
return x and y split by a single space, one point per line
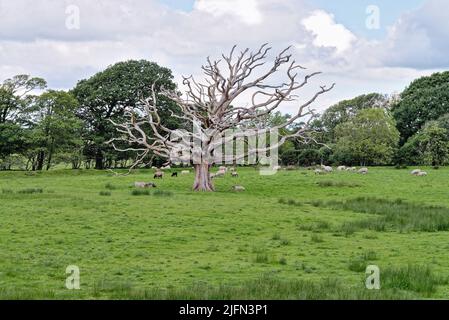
293 235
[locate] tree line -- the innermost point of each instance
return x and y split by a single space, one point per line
411 128
41 127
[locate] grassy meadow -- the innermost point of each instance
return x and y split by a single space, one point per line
293 235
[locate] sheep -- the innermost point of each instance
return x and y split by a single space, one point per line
144 185
318 171
234 174
185 172
416 172
328 169
352 169
238 188
341 168
220 173
174 174
222 168
422 174
363 171
158 175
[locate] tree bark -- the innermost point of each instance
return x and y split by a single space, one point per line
40 160
203 182
99 165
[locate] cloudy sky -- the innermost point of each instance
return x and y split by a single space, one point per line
361 45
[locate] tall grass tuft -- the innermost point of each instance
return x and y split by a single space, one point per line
30 191
266 287
162 193
140 192
417 278
337 184
110 186
396 214
290 202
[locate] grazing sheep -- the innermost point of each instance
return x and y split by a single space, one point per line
341 168
144 185
422 174
234 174
222 168
328 169
174 174
158 175
232 169
185 172
363 171
352 169
220 173
238 188
318 171
416 172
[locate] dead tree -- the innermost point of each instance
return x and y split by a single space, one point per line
211 107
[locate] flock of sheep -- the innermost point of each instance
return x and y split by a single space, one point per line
326 169
222 171
159 174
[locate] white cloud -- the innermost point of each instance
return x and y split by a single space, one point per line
327 32
34 40
419 39
247 10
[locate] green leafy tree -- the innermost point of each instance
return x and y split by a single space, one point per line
345 110
56 128
430 146
424 100
15 94
105 96
370 138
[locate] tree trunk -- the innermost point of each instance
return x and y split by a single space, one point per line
203 182
99 160
40 160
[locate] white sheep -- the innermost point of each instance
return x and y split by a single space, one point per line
341 168
363 171
416 172
422 174
328 169
238 188
185 172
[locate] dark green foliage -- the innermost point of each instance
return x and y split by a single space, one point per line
426 99
105 95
